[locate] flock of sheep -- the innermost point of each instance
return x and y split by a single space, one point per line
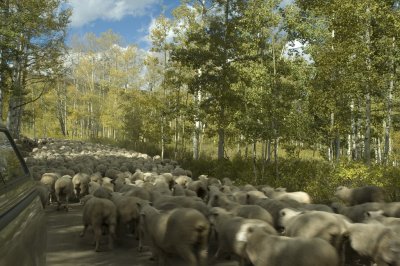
200 219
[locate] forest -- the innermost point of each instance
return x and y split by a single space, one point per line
303 95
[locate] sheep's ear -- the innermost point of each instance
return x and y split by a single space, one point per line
139 205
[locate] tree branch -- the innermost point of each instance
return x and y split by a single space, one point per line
31 101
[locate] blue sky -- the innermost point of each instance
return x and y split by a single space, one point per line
129 18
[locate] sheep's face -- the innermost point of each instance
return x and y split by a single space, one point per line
340 190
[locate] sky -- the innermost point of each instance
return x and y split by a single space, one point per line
131 19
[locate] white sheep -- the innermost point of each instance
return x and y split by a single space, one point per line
64 189
44 193
127 212
265 249
199 187
330 227
376 241
100 213
230 230
80 182
49 180
359 195
182 232
164 202
218 199
282 194
356 213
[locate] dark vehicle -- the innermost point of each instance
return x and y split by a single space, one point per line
22 218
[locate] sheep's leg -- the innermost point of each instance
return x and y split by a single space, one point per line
97 236
141 238
111 236
67 201
85 226
58 201
187 254
202 255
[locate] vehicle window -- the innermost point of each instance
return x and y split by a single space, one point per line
10 165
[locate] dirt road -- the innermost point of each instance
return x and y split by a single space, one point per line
66 248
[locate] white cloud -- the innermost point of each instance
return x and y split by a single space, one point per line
86 11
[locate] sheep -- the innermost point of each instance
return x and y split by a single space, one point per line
376 241
49 180
64 188
273 206
80 182
182 180
313 224
108 183
102 192
378 216
282 194
331 227
391 209
182 232
96 177
171 202
264 249
127 211
178 190
355 196
229 230
199 187
99 213
218 199
44 193
227 181
356 213
92 186
135 191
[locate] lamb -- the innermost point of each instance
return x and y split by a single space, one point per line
354 196
80 182
376 241
100 213
230 229
265 249
64 189
182 232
